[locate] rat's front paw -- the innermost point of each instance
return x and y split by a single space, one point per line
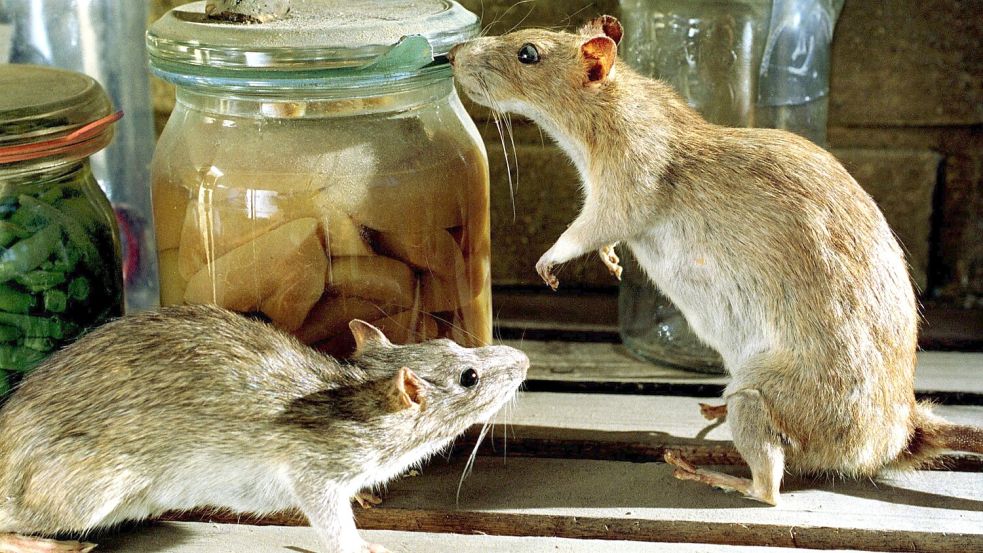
611 260
545 269
367 500
375 548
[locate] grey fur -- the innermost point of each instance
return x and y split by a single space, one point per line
195 405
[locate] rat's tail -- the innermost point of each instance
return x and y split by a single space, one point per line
932 435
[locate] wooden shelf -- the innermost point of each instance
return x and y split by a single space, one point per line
564 468
592 315
196 537
949 377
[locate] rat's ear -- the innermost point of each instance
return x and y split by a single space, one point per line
599 55
605 25
367 335
405 391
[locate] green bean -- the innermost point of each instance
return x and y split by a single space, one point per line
9 333
76 232
8 205
29 219
34 326
81 209
55 301
4 383
66 259
71 330
10 232
29 253
39 344
14 301
78 288
50 195
19 358
39 281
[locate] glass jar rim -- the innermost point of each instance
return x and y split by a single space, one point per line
320 43
81 142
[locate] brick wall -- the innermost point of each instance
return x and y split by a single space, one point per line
906 112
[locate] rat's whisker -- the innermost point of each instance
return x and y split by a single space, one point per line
515 156
508 168
571 16
497 114
497 327
461 329
505 14
523 20
470 464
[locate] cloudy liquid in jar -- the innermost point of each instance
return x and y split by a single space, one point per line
406 250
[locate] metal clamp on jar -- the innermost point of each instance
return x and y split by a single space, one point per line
320 167
60 266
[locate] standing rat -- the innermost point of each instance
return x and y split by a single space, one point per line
774 254
197 406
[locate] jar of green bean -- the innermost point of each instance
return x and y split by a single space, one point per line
60 269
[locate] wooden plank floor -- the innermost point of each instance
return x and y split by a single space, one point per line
922 511
944 371
191 537
637 428
564 469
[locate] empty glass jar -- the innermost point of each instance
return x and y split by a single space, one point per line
321 168
740 63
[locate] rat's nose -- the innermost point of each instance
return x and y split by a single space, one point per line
450 55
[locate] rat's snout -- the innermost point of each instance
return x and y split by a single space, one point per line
505 360
514 359
453 52
523 362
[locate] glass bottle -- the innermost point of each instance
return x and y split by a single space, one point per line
743 63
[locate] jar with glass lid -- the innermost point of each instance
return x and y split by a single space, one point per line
320 168
60 269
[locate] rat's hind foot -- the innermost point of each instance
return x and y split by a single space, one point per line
684 470
367 500
713 412
611 260
15 543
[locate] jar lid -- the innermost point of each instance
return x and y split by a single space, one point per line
315 34
46 111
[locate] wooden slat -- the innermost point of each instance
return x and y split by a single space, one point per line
946 372
196 537
637 428
579 315
922 511
930 512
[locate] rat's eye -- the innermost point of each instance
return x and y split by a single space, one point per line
469 378
528 54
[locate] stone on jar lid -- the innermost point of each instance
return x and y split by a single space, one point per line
313 34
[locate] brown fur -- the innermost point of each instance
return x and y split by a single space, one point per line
775 255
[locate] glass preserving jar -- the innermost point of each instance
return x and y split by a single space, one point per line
321 168
60 269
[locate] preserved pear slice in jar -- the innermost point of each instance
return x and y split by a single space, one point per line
279 273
